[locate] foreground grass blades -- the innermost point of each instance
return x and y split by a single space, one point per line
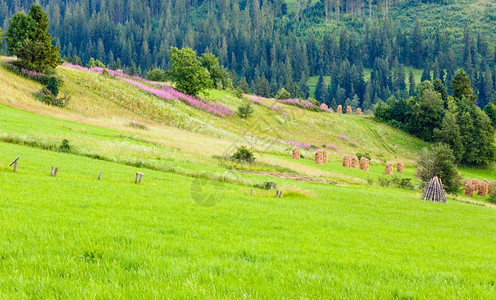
74 236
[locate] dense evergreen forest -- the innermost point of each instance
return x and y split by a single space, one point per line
269 44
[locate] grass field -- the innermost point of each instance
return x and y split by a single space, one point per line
74 236
191 229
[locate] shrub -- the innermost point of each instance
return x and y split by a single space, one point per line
267 185
245 110
283 94
65 147
366 155
156 75
244 154
239 93
53 86
492 196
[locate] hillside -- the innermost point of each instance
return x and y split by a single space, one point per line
201 226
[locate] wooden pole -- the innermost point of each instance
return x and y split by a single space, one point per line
51 173
15 166
100 175
136 180
251 192
55 172
13 162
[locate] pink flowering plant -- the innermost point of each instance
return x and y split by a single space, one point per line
162 91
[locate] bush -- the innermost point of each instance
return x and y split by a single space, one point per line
366 155
440 161
65 147
245 110
492 196
268 185
239 93
53 86
156 75
283 94
244 154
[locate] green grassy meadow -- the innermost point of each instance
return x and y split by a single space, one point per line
191 229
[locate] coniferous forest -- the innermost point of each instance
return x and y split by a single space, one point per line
270 44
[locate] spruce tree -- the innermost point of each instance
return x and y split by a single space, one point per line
412 86
320 89
28 39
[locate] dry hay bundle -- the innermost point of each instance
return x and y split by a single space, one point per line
434 191
482 188
469 188
325 156
420 169
354 162
296 153
324 106
389 169
349 111
400 167
319 157
364 164
347 161
339 110
475 182
359 111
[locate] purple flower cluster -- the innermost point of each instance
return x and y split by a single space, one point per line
168 92
298 144
304 104
256 100
275 108
31 73
165 91
333 147
343 137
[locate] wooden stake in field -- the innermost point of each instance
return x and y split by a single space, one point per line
139 176
434 191
15 163
54 172
100 175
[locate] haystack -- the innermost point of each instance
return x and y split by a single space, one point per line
347 161
475 182
325 156
482 189
364 164
434 191
420 169
469 189
349 111
319 157
324 106
296 153
389 169
339 110
400 167
354 162
359 111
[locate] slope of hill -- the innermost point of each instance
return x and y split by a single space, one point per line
335 232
